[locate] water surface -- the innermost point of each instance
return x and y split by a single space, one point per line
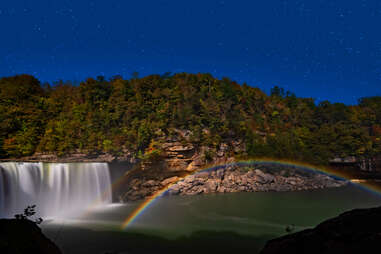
254 217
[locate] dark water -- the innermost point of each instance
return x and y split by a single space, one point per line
246 220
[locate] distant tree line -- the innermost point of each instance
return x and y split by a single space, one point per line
117 115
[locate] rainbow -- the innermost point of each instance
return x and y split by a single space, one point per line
321 170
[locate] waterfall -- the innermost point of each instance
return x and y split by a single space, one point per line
57 189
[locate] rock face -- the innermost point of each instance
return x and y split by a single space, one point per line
179 158
180 154
229 179
24 237
356 231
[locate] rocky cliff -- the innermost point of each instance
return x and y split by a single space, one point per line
179 161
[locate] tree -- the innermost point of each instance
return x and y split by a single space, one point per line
28 214
119 115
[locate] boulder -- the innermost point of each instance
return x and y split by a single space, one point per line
195 164
174 190
177 164
263 177
180 148
170 180
204 175
221 188
211 185
189 179
220 173
149 183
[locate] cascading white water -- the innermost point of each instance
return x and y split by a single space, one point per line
57 189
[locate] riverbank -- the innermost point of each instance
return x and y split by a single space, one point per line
355 231
229 179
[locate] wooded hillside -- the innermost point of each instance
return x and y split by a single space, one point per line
119 115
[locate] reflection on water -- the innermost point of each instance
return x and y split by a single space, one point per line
258 215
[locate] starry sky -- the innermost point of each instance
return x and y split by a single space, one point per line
327 50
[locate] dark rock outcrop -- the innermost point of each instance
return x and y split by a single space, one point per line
356 231
24 237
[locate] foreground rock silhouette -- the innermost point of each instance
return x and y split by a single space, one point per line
24 237
355 231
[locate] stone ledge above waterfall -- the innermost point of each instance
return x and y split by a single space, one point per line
74 157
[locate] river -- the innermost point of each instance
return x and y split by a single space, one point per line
74 199
254 217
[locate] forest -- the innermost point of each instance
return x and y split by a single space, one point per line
116 115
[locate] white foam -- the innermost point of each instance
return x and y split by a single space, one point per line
56 189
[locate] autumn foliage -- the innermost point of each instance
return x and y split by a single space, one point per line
117 115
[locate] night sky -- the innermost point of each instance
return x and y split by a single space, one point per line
328 50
